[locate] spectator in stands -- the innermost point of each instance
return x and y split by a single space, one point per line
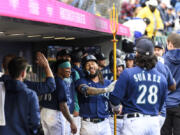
162 9
78 3
143 3
155 22
67 1
177 6
21 103
127 10
177 21
89 6
170 19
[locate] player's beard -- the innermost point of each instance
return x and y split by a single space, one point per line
91 76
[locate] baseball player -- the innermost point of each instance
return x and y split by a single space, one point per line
130 60
93 99
158 49
120 66
172 60
76 62
71 94
55 104
142 92
101 59
106 71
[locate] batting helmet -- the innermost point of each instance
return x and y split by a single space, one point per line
88 58
118 54
130 56
100 56
119 62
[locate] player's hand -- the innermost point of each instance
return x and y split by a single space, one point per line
118 111
73 128
110 88
41 60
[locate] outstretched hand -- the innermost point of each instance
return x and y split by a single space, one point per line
110 88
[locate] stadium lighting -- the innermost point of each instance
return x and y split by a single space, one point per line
33 36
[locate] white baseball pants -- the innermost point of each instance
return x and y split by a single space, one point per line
90 128
119 125
51 121
143 125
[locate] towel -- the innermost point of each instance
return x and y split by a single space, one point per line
2 102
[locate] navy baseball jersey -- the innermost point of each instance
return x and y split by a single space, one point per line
95 106
39 87
53 99
167 74
109 76
42 87
140 91
106 72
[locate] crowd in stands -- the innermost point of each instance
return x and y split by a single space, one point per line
167 14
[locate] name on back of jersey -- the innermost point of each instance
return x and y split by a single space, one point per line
147 77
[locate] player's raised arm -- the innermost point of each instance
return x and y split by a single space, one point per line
85 89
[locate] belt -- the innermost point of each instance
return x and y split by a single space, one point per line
118 116
133 115
94 120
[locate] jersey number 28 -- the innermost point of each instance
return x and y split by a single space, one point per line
151 97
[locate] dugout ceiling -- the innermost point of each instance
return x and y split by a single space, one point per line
18 30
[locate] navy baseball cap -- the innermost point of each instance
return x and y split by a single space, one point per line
145 46
158 45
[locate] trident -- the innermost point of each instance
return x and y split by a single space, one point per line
114 28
